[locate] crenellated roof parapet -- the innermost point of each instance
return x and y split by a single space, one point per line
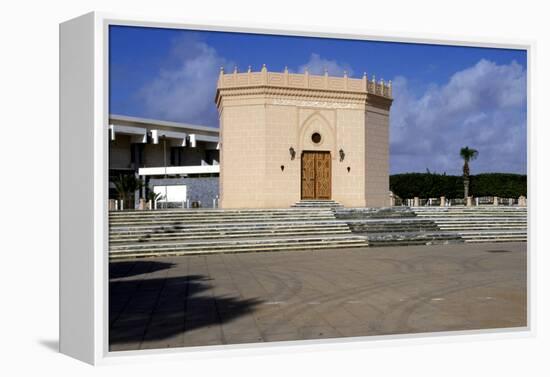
304 81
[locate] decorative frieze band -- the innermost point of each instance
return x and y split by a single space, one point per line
304 81
320 104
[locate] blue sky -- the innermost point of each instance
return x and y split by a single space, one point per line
445 97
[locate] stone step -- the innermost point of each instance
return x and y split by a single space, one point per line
493 235
413 238
154 253
246 245
429 226
426 220
207 211
475 210
392 230
224 242
472 208
384 212
216 220
472 216
225 216
480 222
229 226
225 235
189 214
467 215
481 227
473 213
467 233
316 204
478 240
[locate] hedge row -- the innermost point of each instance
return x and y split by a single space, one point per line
430 185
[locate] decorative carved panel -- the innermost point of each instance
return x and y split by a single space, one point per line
308 175
316 175
322 175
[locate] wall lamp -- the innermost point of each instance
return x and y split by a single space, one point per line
292 153
342 155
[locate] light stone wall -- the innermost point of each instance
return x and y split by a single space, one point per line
377 157
259 124
281 186
349 187
243 157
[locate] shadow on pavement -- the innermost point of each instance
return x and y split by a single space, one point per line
133 268
155 309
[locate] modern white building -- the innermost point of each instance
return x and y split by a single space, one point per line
178 160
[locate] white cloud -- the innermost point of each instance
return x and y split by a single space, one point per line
185 90
483 107
317 65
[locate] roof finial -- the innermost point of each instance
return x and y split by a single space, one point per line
235 69
249 68
264 68
345 73
326 71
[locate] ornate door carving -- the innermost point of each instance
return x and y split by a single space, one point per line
308 175
322 175
316 175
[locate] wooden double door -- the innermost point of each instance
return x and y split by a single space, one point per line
316 175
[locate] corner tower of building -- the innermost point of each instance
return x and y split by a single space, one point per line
287 137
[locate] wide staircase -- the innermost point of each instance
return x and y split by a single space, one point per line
479 224
396 226
198 231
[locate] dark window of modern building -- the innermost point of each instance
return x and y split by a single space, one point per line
176 156
211 156
137 154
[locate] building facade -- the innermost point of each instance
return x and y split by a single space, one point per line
176 160
287 137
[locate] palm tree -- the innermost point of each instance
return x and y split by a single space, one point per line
126 185
467 155
155 196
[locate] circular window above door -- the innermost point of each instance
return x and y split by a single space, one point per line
316 137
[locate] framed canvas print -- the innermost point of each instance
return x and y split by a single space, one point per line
224 187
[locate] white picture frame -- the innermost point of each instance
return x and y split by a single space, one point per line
84 176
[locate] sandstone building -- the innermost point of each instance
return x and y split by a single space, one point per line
287 137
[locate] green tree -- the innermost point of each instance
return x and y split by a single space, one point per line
467 154
155 196
424 185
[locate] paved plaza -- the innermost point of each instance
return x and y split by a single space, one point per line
280 296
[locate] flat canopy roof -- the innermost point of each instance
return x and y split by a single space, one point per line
156 122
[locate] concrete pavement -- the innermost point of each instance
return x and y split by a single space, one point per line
271 296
